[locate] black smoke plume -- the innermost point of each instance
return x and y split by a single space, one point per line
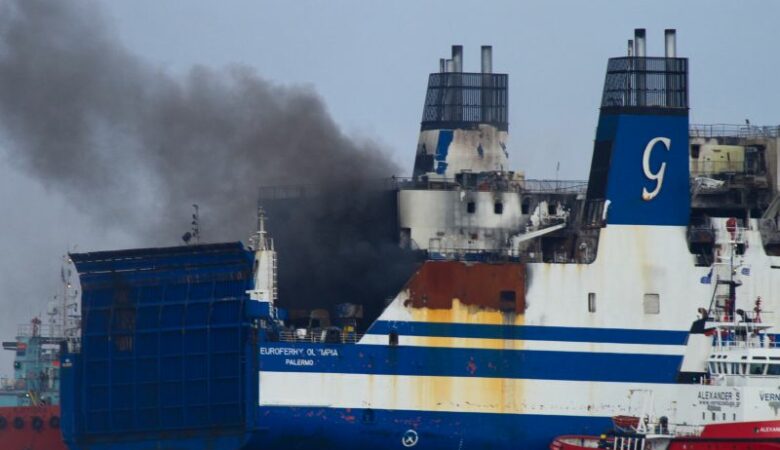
133 147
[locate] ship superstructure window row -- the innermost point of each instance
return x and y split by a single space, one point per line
591 302
651 304
759 366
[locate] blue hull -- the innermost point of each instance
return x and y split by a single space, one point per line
328 428
282 428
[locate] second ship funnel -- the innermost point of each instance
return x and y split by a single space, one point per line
464 124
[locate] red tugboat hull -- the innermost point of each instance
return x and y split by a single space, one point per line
30 428
763 435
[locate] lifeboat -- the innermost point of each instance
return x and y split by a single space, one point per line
576 442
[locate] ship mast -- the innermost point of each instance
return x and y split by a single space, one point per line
265 262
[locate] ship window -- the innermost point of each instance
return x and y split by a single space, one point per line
724 416
757 369
713 416
744 369
713 368
471 207
507 301
704 416
774 369
695 151
552 209
498 208
525 207
591 302
393 338
651 304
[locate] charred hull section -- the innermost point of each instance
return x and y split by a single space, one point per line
499 287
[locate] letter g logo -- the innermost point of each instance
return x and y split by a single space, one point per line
658 177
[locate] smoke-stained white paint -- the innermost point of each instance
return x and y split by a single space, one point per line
476 151
683 404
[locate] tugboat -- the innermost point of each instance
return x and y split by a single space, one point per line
734 359
30 401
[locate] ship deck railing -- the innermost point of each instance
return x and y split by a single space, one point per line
318 336
544 186
731 130
744 345
13 384
39 330
719 234
498 185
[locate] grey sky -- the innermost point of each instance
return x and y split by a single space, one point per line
369 61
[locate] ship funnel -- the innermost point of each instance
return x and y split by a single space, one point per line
464 124
640 49
457 58
487 59
639 171
630 51
442 65
670 38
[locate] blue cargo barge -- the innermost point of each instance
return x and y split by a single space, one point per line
168 349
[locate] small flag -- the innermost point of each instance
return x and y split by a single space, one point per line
707 279
746 271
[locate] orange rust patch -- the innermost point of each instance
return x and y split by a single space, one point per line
496 286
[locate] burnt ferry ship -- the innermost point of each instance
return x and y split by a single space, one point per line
537 306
